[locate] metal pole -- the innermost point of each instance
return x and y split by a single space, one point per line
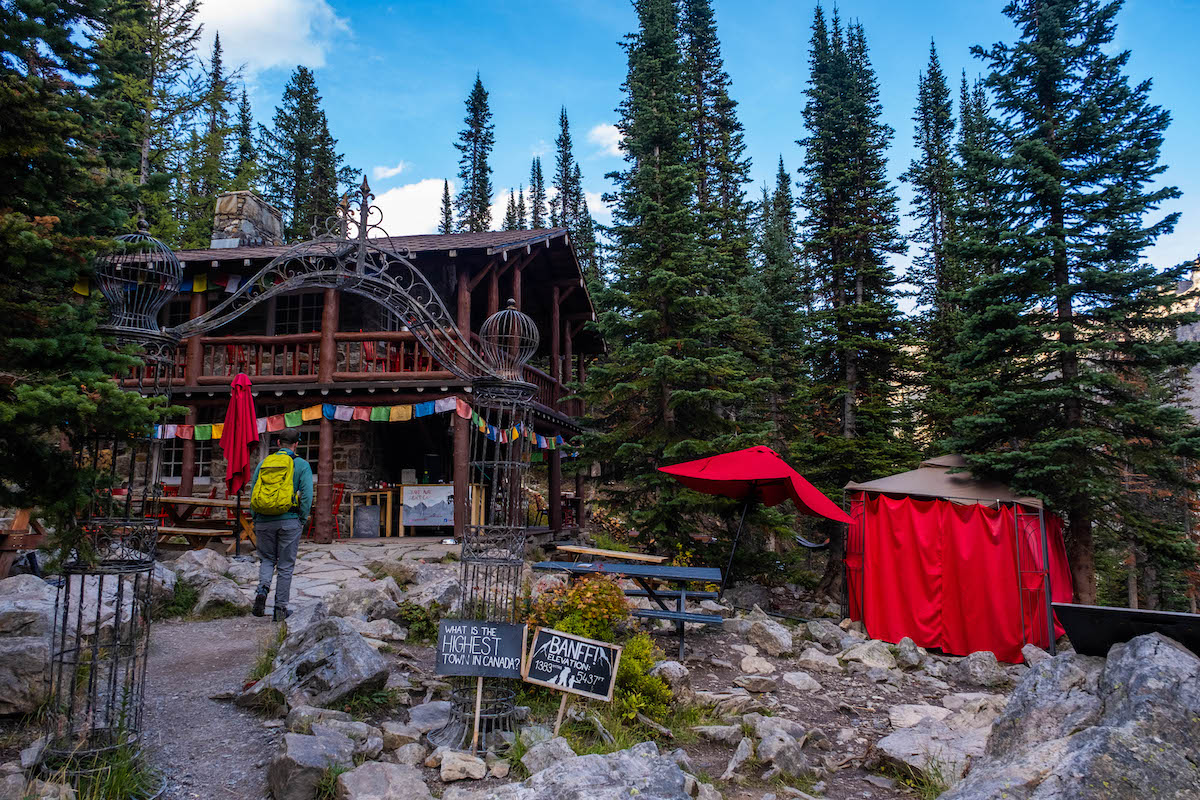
1046 583
732 550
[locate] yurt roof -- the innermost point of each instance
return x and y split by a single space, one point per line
934 478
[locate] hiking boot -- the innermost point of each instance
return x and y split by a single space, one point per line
280 614
260 602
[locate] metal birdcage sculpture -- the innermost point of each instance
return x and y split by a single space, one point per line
493 552
101 632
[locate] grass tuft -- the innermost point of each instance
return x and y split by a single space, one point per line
264 661
326 788
363 704
181 604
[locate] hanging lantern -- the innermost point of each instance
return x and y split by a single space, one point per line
137 279
508 339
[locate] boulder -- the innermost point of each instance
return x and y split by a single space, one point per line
731 702
222 597
801 680
716 609
871 653
725 734
639 772
945 747
1033 655
365 600
412 754
402 572
398 734
26 606
764 726
429 716
162 585
743 753
436 585
301 763
368 740
23 673
381 630
1078 727
906 715
757 665
243 571
546 754
198 568
813 659
772 637
321 665
824 632
457 766
675 675
756 683
747 595
908 655
300 719
381 781
980 669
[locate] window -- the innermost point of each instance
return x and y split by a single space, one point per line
172 459
299 313
309 445
176 312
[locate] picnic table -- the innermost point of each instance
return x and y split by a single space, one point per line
23 533
180 510
578 550
645 576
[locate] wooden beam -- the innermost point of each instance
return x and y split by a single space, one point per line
516 286
464 301
493 292
566 292
193 365
555 481
461 473
555 333
323 501
327 355
483 273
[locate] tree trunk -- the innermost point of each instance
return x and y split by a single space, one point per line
1079 554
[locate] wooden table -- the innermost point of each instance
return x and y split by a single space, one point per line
645 575
24 533
377 497
618 554
180 510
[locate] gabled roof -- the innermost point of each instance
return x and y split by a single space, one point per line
934 479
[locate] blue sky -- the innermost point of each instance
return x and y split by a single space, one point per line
394 77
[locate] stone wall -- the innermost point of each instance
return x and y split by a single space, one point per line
244 219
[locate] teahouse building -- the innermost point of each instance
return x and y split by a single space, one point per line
329 348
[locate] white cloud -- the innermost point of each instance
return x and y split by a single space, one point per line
413 208
271 33
382 173
540 149
600 210
607 138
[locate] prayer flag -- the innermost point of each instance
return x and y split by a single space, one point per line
343 413
400 413
444 404
186 286
423 409
218 430
203 433
185 431
380 414
261 424
170 431
328 410
200 283
275 423
293 419
362 413
82 286
310 413
462 409
235 281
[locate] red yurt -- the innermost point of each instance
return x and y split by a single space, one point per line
955 563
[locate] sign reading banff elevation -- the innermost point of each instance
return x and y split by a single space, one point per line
573 664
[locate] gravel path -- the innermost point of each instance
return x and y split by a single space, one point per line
207 748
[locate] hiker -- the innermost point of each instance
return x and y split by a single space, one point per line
281 501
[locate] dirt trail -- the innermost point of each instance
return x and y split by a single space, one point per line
207 748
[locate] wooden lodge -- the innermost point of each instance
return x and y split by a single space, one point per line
326 346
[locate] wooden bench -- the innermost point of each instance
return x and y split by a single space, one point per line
677 616
620 555
673 594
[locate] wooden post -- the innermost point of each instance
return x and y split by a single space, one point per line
562 706
462 467
568 342
555 490
555 333
195 350
478 707
327 355
464 300
323 500
187 473
516 285
493 291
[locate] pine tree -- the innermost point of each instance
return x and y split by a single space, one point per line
671 388
537 195
851 227
446 223
584 229
510 212
980 245
65 185
208 173
935 272
717 145
563 205
244 168
1069 345
522 211
301 167
475 142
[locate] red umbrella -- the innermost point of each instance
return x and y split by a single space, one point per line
755 475
241 431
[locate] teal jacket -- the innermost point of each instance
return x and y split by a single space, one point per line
302 480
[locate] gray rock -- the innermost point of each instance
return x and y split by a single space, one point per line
801 680
732 702
908 655
545 754
434 759
162 584
725 734
412 754
365 600
368 740
813 659
300 719
675 675
36 789
706 791
243 571
947 746
871 653
436 584
1033 655
31 756
1059 696
716 609
824 632
743 753
382 630
23 673
321 665
757 665
402 572
381 781
764 726
398 734
980 669
429 716
198 568
499 768
772 637
458 766
935 668
223 596
301 762
26 606
747 595
756 683
906 715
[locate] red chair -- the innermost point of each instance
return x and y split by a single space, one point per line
339 490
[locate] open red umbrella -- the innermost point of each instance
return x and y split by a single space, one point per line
240 431
755 475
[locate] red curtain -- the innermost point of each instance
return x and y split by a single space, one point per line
947 575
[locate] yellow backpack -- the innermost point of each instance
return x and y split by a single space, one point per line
274 492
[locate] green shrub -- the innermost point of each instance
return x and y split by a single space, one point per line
264 661
604 541
421 622
593 606
326 788
637 690
180 605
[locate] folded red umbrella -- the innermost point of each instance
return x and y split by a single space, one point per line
241 431
758 474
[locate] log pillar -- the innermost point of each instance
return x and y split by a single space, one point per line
461 474
493 291
323 496
516 286
555 481
327 355
187 472
555 334
193 366
464 302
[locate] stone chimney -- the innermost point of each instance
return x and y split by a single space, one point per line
243 219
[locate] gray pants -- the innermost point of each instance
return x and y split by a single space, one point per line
278 542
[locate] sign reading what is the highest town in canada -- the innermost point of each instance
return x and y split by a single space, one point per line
479 648
573 664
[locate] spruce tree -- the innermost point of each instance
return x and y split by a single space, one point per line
671 388
244 168
1068 346
584 229
851 228
717 146
65 185
446 221
475 142
935 272
563 205
537 195
522 211
328 175
208 173
510 212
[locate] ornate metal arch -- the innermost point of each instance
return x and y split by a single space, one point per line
345 257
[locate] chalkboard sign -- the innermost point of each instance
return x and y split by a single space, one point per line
573 664
476 647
